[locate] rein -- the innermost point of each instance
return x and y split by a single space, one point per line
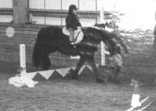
77 36
87 35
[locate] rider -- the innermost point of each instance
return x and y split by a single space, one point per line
72 22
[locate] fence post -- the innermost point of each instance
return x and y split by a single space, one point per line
20 11
102 44
23 58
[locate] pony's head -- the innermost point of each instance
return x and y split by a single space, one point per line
112 47
111 43
96 35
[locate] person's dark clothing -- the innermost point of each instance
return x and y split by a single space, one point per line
72 21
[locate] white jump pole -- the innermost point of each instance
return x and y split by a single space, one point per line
22 58
102 44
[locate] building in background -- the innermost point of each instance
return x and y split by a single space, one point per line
53 12
138 13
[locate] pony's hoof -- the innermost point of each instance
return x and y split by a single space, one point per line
99 80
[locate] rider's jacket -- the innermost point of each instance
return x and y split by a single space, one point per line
72 21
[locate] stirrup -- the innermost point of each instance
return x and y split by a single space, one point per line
72 42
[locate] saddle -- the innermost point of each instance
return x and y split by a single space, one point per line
78 34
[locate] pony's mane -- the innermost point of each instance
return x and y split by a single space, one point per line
101 31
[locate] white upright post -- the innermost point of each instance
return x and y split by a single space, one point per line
102 44
22 58
103 62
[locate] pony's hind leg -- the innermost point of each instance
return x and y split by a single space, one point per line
79 65
45 62
99 77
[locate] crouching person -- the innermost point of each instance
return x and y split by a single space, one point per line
115 65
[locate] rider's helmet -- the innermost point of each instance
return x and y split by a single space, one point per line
72 7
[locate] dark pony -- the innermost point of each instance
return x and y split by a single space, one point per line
51 39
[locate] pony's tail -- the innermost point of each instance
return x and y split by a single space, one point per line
37 52
36 57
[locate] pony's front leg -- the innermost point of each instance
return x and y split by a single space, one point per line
79 65
99 77
116 72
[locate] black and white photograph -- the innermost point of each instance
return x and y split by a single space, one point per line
77 55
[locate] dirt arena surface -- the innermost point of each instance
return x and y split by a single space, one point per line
70 95
82 95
